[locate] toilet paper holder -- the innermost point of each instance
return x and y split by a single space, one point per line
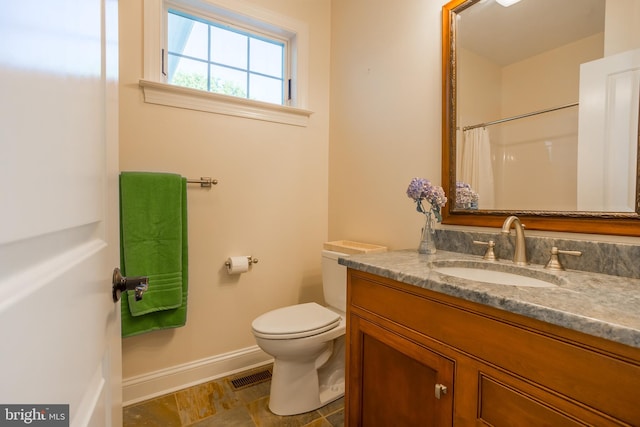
251 260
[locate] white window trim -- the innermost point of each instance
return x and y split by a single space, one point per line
156 91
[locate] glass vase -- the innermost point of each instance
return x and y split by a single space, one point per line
427 240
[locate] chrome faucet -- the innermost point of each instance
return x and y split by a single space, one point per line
520 251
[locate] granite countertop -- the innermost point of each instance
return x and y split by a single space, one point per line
597 304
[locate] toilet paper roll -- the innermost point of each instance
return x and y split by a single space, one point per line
237 264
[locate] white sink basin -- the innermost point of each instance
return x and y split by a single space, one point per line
494 277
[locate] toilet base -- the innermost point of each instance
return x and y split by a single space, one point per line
303 387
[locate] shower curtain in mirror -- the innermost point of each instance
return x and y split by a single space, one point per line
475 165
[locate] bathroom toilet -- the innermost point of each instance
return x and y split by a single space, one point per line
307 344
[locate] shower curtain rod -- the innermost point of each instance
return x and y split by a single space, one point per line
521 116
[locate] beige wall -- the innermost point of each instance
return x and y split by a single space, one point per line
479 89
271 201
548 79
622 26
284 190
274 199
385 116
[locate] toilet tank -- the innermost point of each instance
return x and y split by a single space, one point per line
334 275
334 280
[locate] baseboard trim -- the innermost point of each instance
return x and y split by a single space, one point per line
153 384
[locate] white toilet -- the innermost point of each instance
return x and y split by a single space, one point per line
307 344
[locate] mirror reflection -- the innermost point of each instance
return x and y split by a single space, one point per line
546 105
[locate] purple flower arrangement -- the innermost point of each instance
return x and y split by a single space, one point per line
466 197
420 190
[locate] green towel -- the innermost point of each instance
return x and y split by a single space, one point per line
153 243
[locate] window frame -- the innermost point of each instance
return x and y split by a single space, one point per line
157 91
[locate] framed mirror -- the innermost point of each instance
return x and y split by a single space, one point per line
541 106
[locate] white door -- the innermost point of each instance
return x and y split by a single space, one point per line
608 133
59 327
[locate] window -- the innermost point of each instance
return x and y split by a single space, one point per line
224 56
219 58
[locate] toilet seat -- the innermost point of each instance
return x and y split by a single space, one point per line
296 321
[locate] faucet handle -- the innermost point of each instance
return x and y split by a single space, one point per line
489 255
554 261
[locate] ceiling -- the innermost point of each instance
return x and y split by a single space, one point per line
509 34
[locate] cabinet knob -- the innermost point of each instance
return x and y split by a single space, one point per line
440 390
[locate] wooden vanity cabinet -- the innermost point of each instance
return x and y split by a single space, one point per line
420 358
398 379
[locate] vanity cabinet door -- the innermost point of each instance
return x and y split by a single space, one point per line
396 381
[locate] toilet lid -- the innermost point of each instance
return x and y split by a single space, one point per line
296 321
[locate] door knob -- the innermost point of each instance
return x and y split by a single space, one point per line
121 283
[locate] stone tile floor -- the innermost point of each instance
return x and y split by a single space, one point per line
218 403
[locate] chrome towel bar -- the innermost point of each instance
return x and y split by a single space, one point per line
204 181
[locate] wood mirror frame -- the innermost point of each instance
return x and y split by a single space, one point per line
614 223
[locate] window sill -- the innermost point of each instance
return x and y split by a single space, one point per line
193 99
